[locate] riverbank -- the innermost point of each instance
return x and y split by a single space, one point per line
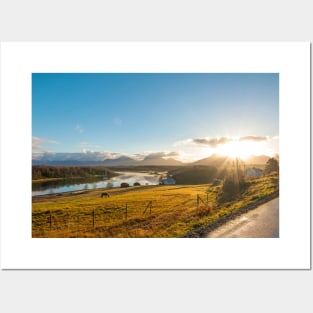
95 182
44 180
67 180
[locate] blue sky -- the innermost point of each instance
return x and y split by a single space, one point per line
140 113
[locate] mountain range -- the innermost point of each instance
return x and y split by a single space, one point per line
218 160
83 159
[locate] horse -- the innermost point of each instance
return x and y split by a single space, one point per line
105 194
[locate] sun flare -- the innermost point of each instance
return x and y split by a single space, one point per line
240 149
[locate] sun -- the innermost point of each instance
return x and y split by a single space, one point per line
239 149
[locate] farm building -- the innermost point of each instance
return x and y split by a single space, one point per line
254 172
168 181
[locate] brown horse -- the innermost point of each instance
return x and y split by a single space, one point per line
105 194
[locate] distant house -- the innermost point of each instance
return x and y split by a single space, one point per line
168 181
254 172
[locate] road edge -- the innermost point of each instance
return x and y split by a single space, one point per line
202 231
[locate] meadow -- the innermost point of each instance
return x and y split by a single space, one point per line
143 211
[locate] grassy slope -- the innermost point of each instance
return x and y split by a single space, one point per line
174 211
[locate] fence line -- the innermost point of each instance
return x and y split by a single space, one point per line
123 212
206 204
149 205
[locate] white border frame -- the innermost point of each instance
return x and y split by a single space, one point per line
290 251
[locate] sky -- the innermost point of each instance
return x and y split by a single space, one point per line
186 116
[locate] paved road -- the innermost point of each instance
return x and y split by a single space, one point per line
262 222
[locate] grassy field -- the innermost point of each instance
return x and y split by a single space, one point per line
145 211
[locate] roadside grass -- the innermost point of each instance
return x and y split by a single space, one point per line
152 211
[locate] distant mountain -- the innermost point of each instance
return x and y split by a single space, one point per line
68 159
214 160
96 159
160 161
127 161
218 160
121 161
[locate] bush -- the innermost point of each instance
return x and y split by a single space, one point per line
232 187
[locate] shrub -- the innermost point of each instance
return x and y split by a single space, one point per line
232 187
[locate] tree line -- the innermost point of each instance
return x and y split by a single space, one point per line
45 171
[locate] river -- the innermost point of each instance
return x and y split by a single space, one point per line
144 178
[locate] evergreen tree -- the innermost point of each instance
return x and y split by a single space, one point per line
271 166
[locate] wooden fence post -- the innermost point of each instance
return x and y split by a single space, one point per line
77 226
50 220
68 223
197 202
93 219
126 212
149 206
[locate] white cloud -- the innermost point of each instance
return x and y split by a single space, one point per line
215 142
87 151
253 138
38 144
198 148
185 142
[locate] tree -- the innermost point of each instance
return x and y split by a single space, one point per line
271 166
234 183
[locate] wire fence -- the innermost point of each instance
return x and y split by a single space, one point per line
83 222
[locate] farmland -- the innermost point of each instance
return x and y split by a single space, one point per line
143 211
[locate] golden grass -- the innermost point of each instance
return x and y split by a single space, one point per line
147 211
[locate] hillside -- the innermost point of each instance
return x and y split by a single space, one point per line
214 160
192 175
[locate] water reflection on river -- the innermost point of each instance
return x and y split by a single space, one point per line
124 177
